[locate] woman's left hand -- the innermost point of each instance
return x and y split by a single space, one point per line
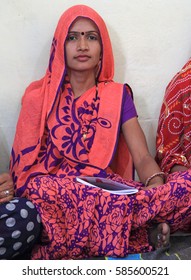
6 188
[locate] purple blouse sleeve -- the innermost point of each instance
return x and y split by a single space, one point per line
128 107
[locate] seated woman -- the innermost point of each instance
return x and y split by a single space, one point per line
70 125
19 222
173 141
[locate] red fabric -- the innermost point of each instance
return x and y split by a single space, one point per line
173 141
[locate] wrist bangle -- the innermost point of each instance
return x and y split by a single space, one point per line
158 174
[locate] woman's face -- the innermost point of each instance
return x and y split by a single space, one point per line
83 46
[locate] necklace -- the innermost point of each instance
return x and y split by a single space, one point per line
87 126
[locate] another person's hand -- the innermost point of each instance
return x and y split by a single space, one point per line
6 188
178 168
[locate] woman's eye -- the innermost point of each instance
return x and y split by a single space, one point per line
72 38
92 37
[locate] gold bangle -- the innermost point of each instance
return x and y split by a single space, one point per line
158 174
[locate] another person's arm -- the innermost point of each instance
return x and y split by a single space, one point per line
6 188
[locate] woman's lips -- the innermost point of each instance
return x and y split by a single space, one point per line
82 58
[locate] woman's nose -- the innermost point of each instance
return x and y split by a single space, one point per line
82 43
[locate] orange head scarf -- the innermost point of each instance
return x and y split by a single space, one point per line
57 63
68 17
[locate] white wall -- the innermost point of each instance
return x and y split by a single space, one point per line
151 41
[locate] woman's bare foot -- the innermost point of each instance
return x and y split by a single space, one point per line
160 235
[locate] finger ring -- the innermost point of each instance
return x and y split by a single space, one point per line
6 192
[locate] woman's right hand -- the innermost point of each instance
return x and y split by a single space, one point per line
6 188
